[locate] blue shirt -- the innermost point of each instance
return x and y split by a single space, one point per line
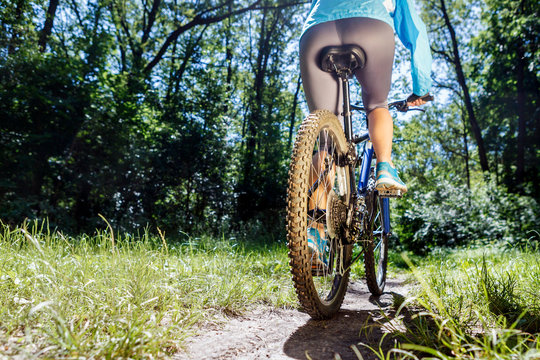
399 14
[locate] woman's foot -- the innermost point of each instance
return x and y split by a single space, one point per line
318 248
388 178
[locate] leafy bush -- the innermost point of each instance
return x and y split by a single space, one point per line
452 215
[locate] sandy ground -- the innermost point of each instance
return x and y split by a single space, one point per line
269 333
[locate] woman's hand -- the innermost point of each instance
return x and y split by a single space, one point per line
415 100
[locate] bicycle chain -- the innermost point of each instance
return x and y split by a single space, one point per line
359 213
368 208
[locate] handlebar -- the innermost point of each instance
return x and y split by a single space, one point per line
401 105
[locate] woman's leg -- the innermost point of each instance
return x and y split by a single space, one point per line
322 93
321 88
381 130
377 40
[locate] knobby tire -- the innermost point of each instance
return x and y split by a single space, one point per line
319 304
375 241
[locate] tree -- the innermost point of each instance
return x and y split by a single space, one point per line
125 108
263 176
446 47
47 27
511 88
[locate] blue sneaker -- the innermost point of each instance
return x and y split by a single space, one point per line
388 179
317 248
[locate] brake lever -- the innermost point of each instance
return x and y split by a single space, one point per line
417 109
402 106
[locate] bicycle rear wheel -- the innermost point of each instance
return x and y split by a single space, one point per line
375 241
315 180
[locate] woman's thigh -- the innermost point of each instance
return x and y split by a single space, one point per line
376 38
321 88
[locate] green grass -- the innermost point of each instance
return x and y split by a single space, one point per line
111 297
471 303
106 296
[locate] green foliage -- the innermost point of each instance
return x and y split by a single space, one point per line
42 102
508 77
452 215
103 122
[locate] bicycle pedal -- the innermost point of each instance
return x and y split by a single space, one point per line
390 193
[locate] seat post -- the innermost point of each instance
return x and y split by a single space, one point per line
347 120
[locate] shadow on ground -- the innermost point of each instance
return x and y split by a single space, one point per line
324 339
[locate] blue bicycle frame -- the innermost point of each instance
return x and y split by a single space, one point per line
365 169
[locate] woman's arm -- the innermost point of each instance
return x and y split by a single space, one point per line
411 30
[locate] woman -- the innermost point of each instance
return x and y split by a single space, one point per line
369 24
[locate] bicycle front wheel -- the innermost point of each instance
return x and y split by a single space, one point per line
375 242
318 198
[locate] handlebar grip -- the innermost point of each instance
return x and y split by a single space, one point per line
413 97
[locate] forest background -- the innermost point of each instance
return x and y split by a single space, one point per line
182 114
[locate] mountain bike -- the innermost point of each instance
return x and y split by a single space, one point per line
323 196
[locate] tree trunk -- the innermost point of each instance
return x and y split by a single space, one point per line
47 27
13 42
522 117
228 47
256 102
258 86
228 60
171 82
293 112
466 96
466 153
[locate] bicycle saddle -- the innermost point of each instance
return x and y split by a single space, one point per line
342 60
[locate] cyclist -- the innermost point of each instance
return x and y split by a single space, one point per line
369 24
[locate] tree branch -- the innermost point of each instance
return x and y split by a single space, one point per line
440 85
75 8
444 54
151 20
123 25
201 19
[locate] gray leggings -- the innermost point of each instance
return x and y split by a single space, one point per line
322 88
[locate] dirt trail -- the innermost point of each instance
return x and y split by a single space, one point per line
268 333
